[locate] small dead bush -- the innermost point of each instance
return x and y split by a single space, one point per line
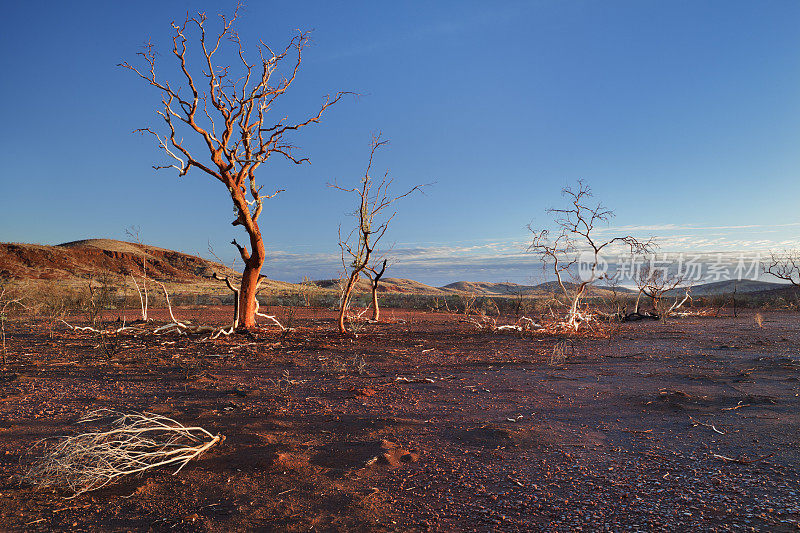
560 352
131 444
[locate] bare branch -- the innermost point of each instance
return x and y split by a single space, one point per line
575 241
228 107
785 266
360 244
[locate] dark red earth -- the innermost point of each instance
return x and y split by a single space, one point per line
424 423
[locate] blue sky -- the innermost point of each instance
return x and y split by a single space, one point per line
684 117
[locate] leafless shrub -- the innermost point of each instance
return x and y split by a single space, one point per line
560 352
439 305
7 301
283 384
337 364
522 305
468 303
785 266
359 364
307 291
489 307
656 284
134 443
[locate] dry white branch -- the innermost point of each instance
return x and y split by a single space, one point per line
741 460
484 322
100 331
710 426
135 442
182 328
270 317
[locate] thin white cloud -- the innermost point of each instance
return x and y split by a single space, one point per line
507 259
690 227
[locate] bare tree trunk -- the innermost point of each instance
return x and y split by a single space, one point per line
249 287
375 278
573 311
351 281
376 311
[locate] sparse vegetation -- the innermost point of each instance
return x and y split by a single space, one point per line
618 390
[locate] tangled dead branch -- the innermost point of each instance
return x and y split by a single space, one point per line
183 328
134 443
487 323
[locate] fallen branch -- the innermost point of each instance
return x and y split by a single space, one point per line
404 379
270 317
135 442
737 406
488 323
181 328
743 460
100 331
711 426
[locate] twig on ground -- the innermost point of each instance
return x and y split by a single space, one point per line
737 406
711 426
741 460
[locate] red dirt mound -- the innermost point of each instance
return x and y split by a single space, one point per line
100 256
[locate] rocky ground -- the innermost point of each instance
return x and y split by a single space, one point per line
424 423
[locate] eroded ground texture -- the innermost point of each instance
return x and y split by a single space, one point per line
424 423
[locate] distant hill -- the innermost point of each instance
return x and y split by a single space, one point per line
386 285
77 260
511 289
481 287
93 257
729 286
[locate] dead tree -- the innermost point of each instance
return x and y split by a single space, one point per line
358 248
574 239
144 294
6 302
226 107
659 284
374 274
785 266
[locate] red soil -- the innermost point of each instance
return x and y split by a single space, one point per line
483 434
